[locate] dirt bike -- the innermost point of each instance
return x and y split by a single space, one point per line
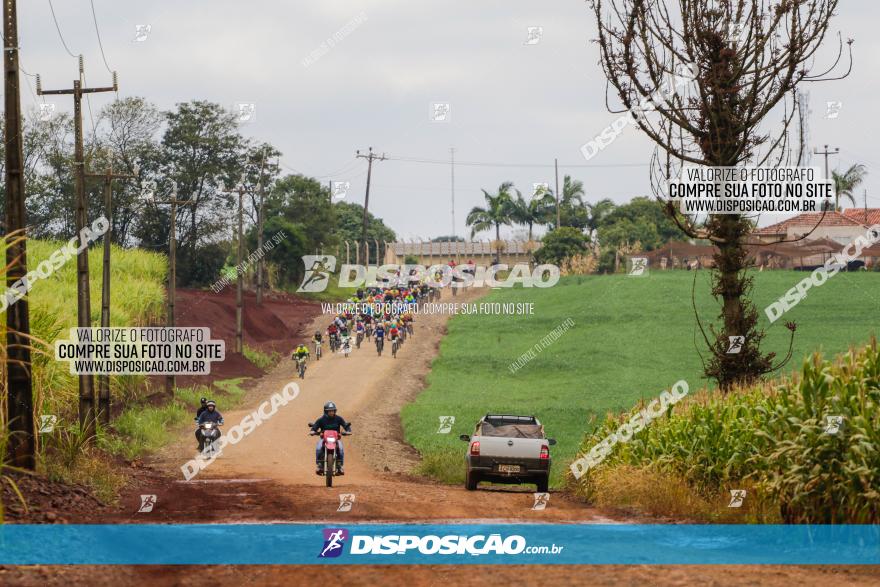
301 367
329 439
360 338
210 432
317 350
380 344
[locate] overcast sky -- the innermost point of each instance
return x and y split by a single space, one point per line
512 103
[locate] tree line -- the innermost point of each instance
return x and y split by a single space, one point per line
198 146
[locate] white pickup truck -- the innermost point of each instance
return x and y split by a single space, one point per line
508 449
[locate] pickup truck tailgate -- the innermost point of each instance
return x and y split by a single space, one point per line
510 448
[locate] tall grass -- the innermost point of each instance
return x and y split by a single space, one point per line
773 437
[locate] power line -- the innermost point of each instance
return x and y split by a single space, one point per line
98 33
58 28
488 164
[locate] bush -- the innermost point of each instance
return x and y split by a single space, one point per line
560 244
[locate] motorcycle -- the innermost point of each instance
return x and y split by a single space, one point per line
329 439
210 432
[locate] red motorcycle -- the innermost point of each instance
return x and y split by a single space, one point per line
329 439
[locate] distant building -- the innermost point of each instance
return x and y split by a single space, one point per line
840 227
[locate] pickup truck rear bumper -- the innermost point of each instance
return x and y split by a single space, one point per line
530 469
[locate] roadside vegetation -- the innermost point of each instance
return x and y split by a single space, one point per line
632 338
774 440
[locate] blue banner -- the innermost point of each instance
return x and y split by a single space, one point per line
555 544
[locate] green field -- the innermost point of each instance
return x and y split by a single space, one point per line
632 338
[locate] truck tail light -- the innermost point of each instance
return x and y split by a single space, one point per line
475 448
545 451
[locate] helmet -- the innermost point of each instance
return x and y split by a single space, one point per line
211 403
328 407
203 401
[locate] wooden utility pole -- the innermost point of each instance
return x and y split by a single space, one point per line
87 400
452 172
826 152
172 267
239 282
556 167
103 407
370 157
260 234
21 447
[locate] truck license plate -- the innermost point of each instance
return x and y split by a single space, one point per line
508 468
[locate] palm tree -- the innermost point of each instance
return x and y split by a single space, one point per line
598 212
845 184
571 203
538 210
497 212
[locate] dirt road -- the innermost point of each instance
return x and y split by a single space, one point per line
369 391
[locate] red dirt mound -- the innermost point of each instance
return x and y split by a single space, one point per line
275 326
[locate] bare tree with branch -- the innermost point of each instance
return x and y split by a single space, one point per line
747 58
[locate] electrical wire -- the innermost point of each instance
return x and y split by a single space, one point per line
487 164
98 33
58 28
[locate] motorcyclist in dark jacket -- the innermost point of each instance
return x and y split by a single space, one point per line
330 421
209 415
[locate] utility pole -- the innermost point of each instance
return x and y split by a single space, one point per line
103 407
826 152
556 167
172 267
239 282
87 400
452 169
21 447
260 234
370 157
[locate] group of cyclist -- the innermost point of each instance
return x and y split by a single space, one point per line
374 314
